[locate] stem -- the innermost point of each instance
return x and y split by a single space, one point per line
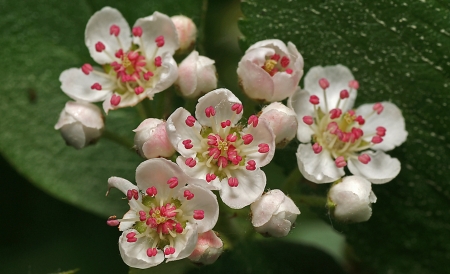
311 200
141 111
117 139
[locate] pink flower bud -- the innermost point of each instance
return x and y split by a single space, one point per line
283 122
187 32
208 249
151 139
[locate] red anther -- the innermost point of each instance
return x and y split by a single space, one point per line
377 139
159 41
114 30
169 251
190 121
151 191
335 113
199 214
251 165
190 162
187 144
323 83
340 161
151 222
225 124
214 152
96 86
147 75
132 55
275 57
351 137
212 140
253 120
344 94
119 54
135 194
222 162
364 158
273 71
381 131
158 61
115 100
86 69
360 120
236 107
210 111
231 138
332 127
248 138
233 182
99 47
353 84
308 120
313 99
173 182
263 148
138 90
345 137
210 177
378 107
188 195
130 235
129 194
289 71
151 252
142 216
351 112
131 240
112 222
178 228
285 61
137 31
357 132
317 148
339 134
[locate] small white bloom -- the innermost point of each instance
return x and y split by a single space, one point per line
136 63
151 139
283 122
187 32
80 124
350 200
216 148
274 214
165 214
341 136
270 70
196 75
208 249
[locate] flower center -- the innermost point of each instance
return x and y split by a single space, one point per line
276 63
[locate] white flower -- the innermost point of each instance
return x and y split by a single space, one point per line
351 199
214 147
151 140
208 249
196 75
270 70
187 32
341 136
283 122
165 214
133 67
274 214
80 124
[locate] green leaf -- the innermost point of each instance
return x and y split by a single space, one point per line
398 51
39 40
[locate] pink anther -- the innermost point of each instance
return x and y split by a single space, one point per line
212 140
308 120
263 148
323 83
381 131
158 61
222 162
132 193
285 61
159 41
344 94
340 161
147 75
332 127
199 214
378 107
364 158
210 111
86 69
335 113
96 86
357 132
130 235
251 165
360 120
313 99
114 30
169 251
142 216
137 31
112 222
178 228
233 182
289 71
118 54
132 55
275 57
236 107
188 195
214 152
210 177
132 240
151 191
253 120
231 138
173 182
353 84
188 144
190 162
190 121
377 139
225 124
115 100
138 90
248 138
151 252
99 47
317 148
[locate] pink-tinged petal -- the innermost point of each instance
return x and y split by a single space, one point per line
184 244
255 81
89 114
251 186
258 56
134 254
168 73
121 184
381 169
318 168
282 120
203 200
222 100
299 102
178 131
129 99
265 207
124 225
284 85
153 26
187 75
198 172
391 119
297 61
338 76
98 30
262 134
270 43
77 85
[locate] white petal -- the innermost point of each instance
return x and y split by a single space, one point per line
128 99
203 200
318 168
284 85
168 73
282 120
390 118
350 208
222 100
178 131
338 76
77 85
264 208
256 82
199 172
97 30
124 225
278 226
251 186
258 56
297 58
381 168
184 244
299 102
187 78
121 184
135 254
74 134
89 114
262 134
269 43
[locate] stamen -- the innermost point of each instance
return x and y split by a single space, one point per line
210 177
377 139
323 83
178 228
137 31
289 71
159 41
114 30
353 84
190 162
112 221
275 57
210 111
96 86
253 120
188 195
364 158
225 124
99 47
263 148
151 252
138 90
158 61
335 113
313 99
233 182
248 138
340 161
317 148
231 137
187 144
190 121
236 107
222 162
251 165
308 120
151 191
118 54
169 251
86 69
378 107
360 120
115 100
173 182
199 214
344 94
147 75
381 131
142 216
285 61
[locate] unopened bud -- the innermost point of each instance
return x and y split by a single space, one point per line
208 249
151 140
283 122
187 33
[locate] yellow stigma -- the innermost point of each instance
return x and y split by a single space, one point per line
269 65
222 145
159 219
349 118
